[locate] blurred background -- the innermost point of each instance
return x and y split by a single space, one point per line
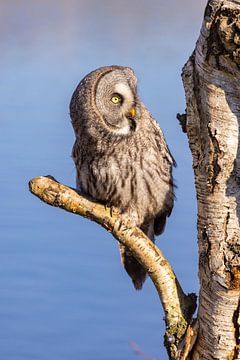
64 294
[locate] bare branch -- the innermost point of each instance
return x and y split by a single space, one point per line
178 307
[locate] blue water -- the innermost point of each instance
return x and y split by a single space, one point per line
64 294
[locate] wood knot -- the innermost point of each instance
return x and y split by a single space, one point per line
235 278
182 118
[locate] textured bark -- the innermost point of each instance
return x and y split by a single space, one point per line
177 306
212 85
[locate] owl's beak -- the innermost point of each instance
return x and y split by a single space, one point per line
131 114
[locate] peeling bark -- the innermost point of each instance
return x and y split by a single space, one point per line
212 85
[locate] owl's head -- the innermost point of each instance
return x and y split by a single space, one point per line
106 100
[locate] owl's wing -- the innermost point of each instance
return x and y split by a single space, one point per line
167 158
161 143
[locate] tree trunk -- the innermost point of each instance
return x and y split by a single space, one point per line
212 85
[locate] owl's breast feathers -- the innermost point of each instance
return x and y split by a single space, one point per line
134 174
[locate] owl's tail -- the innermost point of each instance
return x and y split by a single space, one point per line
131 265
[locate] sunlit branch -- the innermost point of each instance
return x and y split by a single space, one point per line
177 306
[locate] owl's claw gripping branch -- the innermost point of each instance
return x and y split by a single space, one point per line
178 307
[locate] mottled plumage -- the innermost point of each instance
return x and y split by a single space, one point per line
120 154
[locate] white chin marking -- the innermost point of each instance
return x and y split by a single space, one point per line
122 131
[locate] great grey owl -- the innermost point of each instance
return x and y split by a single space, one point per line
120 154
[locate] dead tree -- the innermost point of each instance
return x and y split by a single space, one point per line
212 85
211 80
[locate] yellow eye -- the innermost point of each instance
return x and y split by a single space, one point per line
116 99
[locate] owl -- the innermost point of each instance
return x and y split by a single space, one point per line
120 154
